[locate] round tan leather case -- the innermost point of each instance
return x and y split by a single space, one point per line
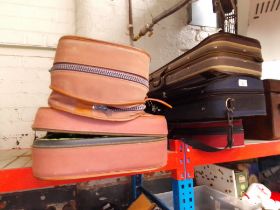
100 72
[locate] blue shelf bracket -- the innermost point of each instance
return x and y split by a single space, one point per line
183 194
136 182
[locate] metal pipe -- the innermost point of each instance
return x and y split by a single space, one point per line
130 20
220 14
170 11
149 26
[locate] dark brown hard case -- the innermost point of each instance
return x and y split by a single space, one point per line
266 127
218 55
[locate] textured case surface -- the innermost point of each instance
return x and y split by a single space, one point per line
208 101
213 134
213 107
78 158
219 54
99 79
95 111
48 119
94 87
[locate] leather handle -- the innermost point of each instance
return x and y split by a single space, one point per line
204 147
157 84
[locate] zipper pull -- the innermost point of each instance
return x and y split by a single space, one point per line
100 107
159 101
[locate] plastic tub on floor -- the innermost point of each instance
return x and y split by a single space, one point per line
210 199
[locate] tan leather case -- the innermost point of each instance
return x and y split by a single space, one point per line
70 159
48 119
96 88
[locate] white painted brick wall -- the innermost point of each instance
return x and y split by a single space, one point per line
24 77
32 22
109 21
29 24
24 81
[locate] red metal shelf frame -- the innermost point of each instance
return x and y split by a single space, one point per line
20 179
197 157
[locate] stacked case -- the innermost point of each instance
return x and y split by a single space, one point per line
218 80
98 96
267 127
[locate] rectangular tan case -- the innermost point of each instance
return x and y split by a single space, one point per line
55 159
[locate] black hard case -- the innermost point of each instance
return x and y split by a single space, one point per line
208 101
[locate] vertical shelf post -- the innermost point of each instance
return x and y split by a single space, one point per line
182 184
183 194
136 182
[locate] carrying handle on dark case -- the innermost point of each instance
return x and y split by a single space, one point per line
198 145
204 147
